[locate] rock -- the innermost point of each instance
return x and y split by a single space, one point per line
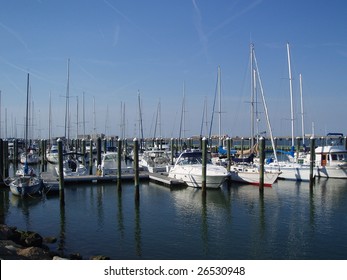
75 256
34 253
8 250
6 232
30 239
99 257
59 258
49 239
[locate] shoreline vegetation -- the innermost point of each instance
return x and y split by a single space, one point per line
18 244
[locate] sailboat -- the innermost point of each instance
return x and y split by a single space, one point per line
245 170
291 169
26 183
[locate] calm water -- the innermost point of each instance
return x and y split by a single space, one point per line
290 221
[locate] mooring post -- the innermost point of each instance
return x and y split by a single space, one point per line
172 151
242 140
204 163
228 153
84 152
298 139
6 160
119 163
1 158
261 161
105 146
125 150
43 155
91 158
15 153
312 159
61 171
98 149
136 169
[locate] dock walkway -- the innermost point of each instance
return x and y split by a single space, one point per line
51 181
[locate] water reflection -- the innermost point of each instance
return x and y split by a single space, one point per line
291 220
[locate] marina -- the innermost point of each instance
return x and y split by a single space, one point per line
118 210
290 220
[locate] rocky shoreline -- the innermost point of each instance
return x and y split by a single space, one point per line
27 245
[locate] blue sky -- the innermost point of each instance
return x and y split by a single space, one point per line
154 47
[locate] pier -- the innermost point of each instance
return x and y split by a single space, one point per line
51 181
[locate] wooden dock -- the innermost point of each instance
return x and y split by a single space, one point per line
51 181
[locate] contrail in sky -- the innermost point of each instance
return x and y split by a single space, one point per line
15 35
199 28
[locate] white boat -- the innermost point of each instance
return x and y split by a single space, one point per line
249 173
30 157
109 165
293 168
72 167
26 185
155 160
188 167
331 161
52 154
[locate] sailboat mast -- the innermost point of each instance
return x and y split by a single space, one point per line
220 103
26 122
50 117
84 118
291 94
67 99
140 120
302 111
182 113
252 92
265 107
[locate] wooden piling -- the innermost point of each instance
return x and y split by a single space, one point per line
204 163
1 158
261 162
298 139
312 159
228 153
172 151
6 160
61 171
104 141
242 144
91 158
119 163
84 152
136 170
136 162
15 152
98 150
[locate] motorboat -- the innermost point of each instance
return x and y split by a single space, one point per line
52 154
109 165
331 161
188 167
155 160
72 167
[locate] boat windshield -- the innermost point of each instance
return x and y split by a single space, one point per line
191 158
110 157
339 156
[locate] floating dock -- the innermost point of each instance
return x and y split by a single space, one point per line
51 181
